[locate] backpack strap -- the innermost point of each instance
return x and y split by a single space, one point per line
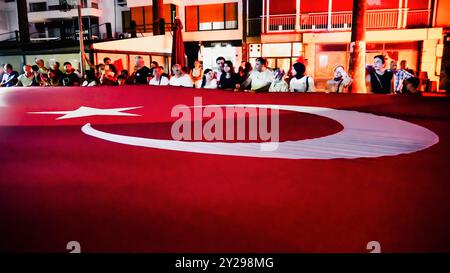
307 84
339 85
379 81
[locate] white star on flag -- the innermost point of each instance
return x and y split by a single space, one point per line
84 111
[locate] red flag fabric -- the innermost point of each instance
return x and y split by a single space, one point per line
59 184
178 53
118 64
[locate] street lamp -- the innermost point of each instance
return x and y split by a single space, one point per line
81 38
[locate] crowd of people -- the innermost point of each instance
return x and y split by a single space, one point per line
260 78
394 80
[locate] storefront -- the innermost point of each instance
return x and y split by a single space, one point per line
230 50
328 56
281 55
323 57
123 52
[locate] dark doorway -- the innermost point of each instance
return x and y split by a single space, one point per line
126 21
191 49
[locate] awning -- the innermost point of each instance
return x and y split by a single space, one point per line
161 44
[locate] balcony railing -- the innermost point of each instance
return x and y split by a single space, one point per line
418 18
312 21
376 19
148 28
93 5
382 19
341 20
9 36
281 23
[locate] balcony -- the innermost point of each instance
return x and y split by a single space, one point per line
376 19
42 16
43 11
93 32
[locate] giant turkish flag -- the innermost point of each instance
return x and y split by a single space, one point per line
61 183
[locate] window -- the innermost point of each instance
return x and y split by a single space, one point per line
39 6
383 4
143 17
281 55
286 7
277 49
211 17
148 18
284 63
126 18
55 7
315 6
325 62
231 16
191 18
137 15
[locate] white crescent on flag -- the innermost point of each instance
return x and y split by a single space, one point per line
364 136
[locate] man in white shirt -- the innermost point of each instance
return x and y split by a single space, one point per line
261 77
179 78
158 77
9 76
26 79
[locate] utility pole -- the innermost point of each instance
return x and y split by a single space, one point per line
81 37
357 67
22 12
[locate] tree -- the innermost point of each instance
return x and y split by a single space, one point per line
357 67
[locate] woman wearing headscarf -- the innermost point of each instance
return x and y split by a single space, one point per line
300 82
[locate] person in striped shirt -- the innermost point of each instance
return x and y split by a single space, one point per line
401 75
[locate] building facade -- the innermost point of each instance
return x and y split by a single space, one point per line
212 28
320 32
58 19
8 13
53 28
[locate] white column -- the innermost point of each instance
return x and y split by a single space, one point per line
429 60
400 14
330 7
297 15
263 18
246 16
182 17
405 16
268 16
